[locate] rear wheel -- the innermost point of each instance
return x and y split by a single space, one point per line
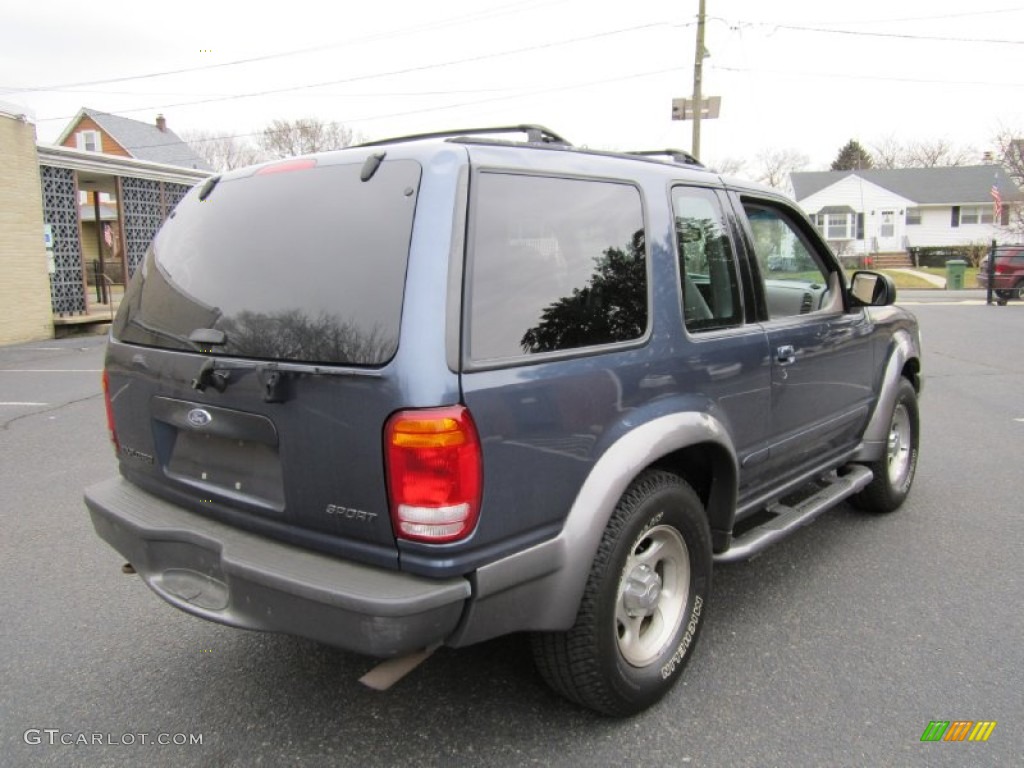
894 472
643 603
1017 292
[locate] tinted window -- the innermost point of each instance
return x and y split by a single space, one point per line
706 265
307 265
556 264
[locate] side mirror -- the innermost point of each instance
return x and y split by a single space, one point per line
872 289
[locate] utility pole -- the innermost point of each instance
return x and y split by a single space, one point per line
698 64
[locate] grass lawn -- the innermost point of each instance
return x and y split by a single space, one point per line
912 282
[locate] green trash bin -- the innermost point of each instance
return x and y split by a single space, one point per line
955 272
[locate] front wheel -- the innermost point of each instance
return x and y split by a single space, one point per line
894 472
643 604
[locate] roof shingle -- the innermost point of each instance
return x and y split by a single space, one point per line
146 141
925 186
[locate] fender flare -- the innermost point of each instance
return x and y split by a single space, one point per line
540 588
905 347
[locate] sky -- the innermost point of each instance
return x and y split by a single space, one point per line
806 76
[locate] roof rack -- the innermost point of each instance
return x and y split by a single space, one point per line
675 155
535 134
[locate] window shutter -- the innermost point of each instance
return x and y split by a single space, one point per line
860 226
954 220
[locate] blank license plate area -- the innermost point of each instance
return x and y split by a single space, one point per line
235 466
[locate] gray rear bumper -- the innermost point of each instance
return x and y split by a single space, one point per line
234 577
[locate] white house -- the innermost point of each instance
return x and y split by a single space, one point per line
888 211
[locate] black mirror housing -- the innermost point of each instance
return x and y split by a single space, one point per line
872 289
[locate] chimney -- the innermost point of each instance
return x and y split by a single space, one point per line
161 124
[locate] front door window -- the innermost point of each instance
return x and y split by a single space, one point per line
888 228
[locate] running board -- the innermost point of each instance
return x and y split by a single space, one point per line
788 519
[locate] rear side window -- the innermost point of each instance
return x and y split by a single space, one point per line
710 287
556 264
305 265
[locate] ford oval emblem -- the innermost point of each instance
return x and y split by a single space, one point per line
197 417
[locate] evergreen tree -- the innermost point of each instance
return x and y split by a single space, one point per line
852 157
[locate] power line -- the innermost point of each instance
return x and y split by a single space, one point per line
929 17
445 107
926 81
894 35
404 71
453 21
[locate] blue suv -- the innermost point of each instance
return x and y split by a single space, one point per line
444 388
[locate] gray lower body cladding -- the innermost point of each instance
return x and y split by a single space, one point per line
233 577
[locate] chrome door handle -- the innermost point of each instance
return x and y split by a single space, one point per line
785 355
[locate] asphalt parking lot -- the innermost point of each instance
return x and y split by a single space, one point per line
835 648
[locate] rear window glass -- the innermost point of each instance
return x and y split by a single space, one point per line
306 266
556 264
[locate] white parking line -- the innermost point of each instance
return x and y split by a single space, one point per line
961 303
25 405
51 370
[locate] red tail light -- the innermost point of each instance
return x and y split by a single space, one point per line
1002 269
434 471
110 412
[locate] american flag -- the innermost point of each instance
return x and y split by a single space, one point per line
997 203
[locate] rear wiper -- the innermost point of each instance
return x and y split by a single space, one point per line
165 334
209 376
216 372
208 337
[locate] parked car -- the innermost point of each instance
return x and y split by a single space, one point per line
440 389
1008 281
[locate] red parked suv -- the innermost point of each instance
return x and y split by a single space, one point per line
1008 282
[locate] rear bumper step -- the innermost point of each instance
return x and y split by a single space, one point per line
237 578
789 518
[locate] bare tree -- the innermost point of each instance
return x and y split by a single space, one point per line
1010 154
287 138
937 152
775 165
222 151
728 166
888 153
931 153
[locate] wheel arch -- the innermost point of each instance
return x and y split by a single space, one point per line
904 362
540 588
710 469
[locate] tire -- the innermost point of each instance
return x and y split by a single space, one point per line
643 604
1017 292
894 472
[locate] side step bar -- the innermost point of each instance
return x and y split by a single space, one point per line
788 519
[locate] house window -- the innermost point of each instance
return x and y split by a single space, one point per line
89 141
976 214
837 226
913 216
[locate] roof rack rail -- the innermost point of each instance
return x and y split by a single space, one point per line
675 155
535 134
